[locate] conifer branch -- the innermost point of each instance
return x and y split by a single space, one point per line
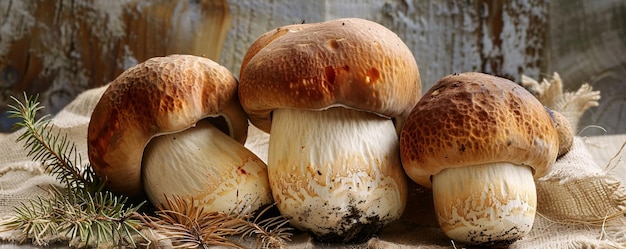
53 149
82 210
86 213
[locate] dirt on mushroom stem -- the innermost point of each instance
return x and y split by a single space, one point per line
356 232
488 203
336 173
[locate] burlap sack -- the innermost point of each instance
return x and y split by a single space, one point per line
580 203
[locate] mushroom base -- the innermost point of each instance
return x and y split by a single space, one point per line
485 204
207 166
336 172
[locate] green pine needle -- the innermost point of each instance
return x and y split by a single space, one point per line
92 219
90 216
54 149
82 211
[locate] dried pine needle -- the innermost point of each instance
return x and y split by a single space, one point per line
187 225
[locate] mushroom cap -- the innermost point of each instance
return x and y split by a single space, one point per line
475 118
565 132
348 62
159 96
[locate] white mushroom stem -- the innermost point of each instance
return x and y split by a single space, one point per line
205 165
485 203
336 171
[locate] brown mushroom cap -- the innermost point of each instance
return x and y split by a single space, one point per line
349 62
159 96
474 118
565 131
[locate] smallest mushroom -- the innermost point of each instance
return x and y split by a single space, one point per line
564 130
173 126
479 141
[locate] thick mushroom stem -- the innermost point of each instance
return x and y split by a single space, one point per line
207 166
491 203
336 172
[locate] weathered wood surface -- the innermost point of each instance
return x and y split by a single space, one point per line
445 36
59 48
585 41
62 52
588 44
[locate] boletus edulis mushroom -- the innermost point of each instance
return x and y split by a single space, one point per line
480 141
564 130
173 126
328 93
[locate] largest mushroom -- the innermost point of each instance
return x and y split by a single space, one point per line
328 93
173 127
480 141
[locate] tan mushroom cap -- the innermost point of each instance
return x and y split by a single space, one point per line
472 119
565 132
159 96
348 62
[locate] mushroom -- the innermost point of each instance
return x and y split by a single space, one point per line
328 93
564 130
480 141
173 126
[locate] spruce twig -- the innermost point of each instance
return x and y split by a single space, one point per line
54 149
89 215
82 211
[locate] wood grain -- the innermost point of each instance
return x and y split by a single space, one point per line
58 48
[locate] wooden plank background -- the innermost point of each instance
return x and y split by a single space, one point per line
58 48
